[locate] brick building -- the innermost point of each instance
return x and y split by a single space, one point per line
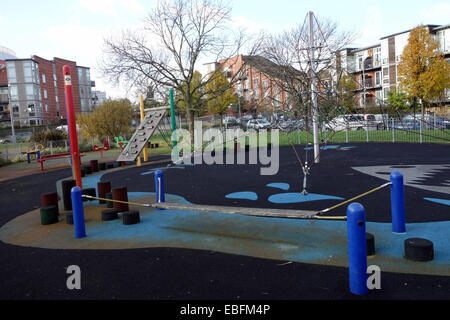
260 82
36 90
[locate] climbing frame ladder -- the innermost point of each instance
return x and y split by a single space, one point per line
142 134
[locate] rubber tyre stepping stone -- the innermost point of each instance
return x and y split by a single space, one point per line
49 215
130 217
88 169
418 249
370 244
109 204
94 165
89 192
109 214
69 218
66 186
102 166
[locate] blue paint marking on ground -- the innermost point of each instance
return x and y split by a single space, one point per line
324 147
162 169
308 241
346 148
299 240
440 201
279 185
296 197
248 195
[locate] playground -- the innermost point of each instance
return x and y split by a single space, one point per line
186 254
159 228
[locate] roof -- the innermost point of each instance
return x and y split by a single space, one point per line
430 26
268 67
445 26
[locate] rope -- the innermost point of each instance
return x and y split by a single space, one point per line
357 197
155 205
118 201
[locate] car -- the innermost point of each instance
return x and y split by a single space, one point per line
5 140
243 120
258 124
229 121
24 136
351 122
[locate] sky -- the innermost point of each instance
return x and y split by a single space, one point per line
75 29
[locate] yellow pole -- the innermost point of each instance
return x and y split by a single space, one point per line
141 105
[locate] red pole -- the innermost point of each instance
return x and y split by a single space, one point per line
72 125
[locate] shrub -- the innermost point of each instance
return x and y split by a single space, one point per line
48 135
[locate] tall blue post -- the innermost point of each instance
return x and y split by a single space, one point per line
357 252
397 203
159 186
78 213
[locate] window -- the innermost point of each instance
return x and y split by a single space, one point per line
27 74
385 75
46 108
29 91
31 110
385 61
11 70
15 108
44 80
56 99
45 94
385 92
360 61
379 97
13 92
255 83
377 78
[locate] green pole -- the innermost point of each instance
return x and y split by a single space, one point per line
174 124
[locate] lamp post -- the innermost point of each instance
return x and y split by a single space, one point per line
11 116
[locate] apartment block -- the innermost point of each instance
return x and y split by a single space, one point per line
35 90
260 82
374 68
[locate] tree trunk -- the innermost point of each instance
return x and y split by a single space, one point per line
190 121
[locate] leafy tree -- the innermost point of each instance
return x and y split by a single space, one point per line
110 119
399 99
196 93
347 86
221 95
423 71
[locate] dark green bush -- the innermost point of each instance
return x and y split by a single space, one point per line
48 135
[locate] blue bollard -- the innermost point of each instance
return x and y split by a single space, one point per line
397 203
28 157
357 252
78 213
38 154
159 186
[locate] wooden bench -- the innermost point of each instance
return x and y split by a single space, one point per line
48 157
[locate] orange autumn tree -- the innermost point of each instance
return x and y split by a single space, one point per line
423 72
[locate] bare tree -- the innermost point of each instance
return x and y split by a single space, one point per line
290 49
177 36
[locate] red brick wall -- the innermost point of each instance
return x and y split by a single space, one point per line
46 68
3 74
235 64
59 63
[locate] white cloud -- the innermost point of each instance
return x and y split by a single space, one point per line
371 31
112 7
438 13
